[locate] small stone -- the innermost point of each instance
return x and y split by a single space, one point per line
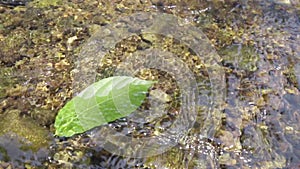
72 39
226 159
62 65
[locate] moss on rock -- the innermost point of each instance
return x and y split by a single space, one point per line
24 127
240 57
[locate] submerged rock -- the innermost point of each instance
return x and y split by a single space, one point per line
240 57
12 124
22 141
14 2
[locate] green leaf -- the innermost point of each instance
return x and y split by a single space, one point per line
102 102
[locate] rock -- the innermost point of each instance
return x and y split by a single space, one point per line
12 124
240 57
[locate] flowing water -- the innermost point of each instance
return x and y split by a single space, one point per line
227 94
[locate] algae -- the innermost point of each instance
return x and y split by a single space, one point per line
34 46
13 123
45 3
240 57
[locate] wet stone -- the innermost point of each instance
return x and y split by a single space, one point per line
239 57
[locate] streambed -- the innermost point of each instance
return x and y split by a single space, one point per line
256 125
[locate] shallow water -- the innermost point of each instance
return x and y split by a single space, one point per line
255 124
